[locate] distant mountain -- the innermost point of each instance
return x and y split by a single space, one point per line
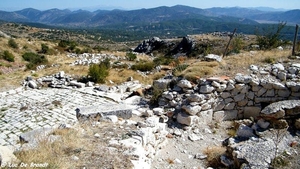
291 17
164 20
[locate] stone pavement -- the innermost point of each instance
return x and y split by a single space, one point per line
22 109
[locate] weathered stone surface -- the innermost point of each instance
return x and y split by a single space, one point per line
184 84
258 154
219 105
185 119
206 89
212 57
225 95
263 124
192 110
36 135
229 106
239 97
97 112
205 117
283 93
77 84
240 78
161 83
32 84
196 97
251 112
7 157
245 132
277 110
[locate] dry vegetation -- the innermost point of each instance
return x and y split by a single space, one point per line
79 147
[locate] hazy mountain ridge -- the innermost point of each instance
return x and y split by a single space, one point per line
152 15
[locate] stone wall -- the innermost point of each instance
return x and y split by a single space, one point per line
222 98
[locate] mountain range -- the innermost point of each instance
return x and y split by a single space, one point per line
85 18
165 21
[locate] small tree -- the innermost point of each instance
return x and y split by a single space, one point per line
98 72
44 48
131 56
12 43
270 38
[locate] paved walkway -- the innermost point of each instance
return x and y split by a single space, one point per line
23 110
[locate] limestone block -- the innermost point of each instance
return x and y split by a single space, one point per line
250 95
192 110
242 103
239 97
225 95
229 106
185 119
206 89
284 93
219 105
205 117
222 88
251 112
261 92
184 84
270 93
196 97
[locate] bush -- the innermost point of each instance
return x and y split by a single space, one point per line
44 48
98 73
34 60
8 56
12 43
144 67
131 56
270 38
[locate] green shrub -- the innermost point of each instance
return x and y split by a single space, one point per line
44 48
34 59
12 43
269 60
131 56
270 38
146 66
8 56
98 72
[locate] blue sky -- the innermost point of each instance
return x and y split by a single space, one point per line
11 5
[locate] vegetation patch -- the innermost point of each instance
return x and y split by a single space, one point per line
34 60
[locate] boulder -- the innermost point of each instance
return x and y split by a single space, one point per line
277 110
212 57
148 46
184 84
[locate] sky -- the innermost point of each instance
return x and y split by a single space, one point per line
13 5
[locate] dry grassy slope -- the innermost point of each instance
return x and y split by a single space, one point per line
14 72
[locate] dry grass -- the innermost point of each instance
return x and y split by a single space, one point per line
240 63
213 155
198 69
53 153
80 142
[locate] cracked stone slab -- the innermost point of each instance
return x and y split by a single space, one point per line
277 109
97 112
